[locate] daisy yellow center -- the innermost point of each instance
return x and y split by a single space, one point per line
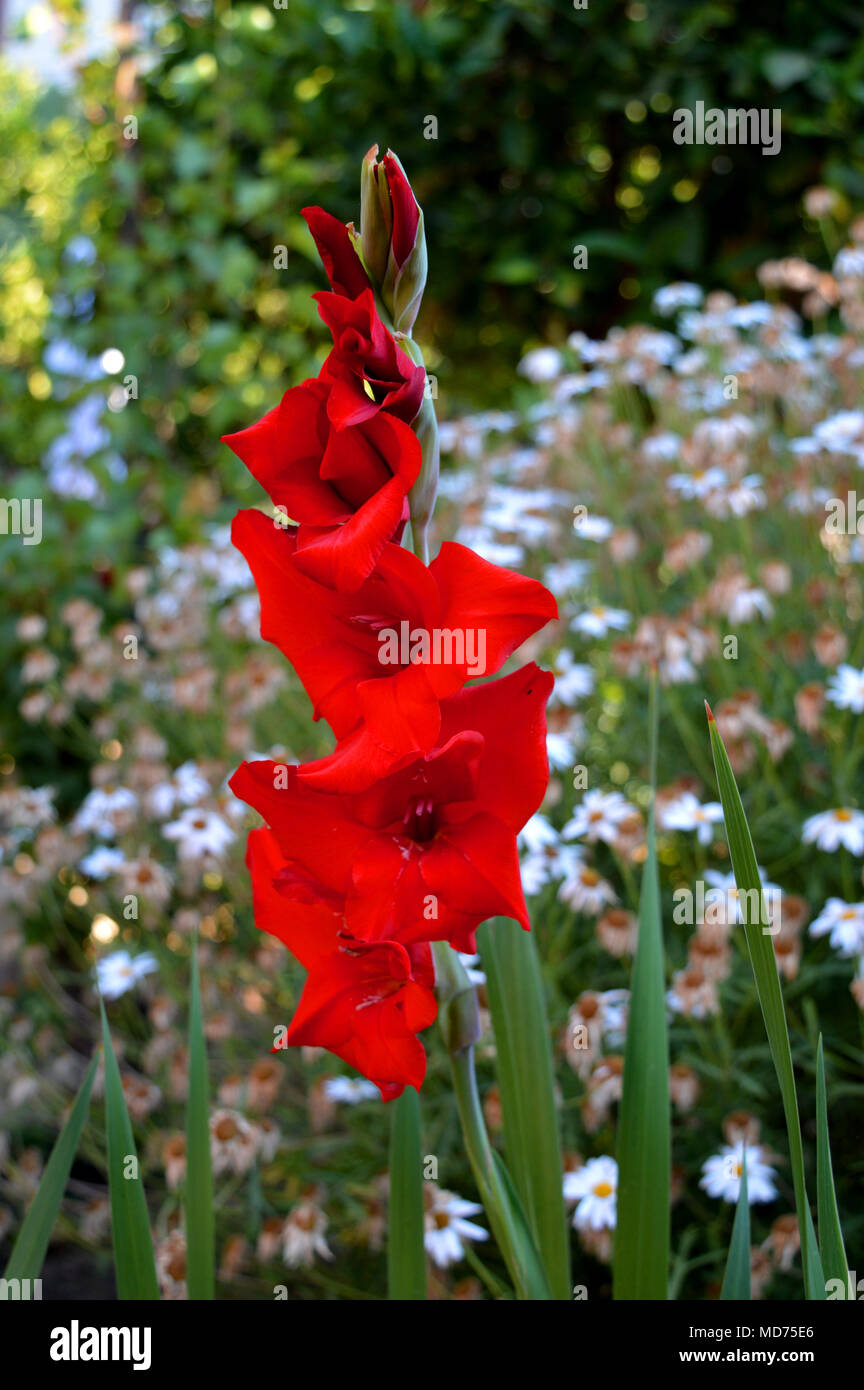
842 815
603 1189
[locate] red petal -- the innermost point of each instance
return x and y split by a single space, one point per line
406 213
311 828
510 712
311 624
343 556
341 262
309 930
284 449
475 867
475 594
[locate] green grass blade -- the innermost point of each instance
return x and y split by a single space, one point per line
406 1257
814 1278
736 1280
526 1084
834 1263
28 1253
641 1257
134 1266
200 1247
763 960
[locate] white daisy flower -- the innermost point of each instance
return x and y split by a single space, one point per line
593 528
597 621
682 294
686 812
843 923
749 603
541 364
586 891
537 833
104 811
830 829
594 1187
725 902
722 1174
119 972
598 817
697 484
564 576
349 1090
447 1227
845 689
746 496
185 787
573 680
303 1236
101 862
542 866
849 263
199 833
560 749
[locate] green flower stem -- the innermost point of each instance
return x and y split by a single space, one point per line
460 1025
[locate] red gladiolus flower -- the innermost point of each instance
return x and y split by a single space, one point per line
347 488
407 832
428 852
367 370
333 242
363 1001
380 660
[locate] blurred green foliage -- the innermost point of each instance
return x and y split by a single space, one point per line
185 152
554 129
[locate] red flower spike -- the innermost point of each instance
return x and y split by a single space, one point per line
406 833
364 1002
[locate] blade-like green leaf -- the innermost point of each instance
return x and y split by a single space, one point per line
524 1245
526 1084
134 1267
200 1250
759 944
28 1253
834 1263
814 1278
736 1280
406 1257
641 1256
